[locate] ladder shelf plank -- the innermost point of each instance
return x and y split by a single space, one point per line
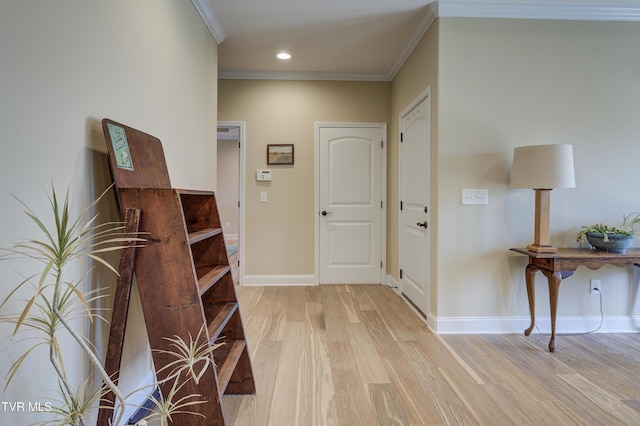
227 357
221 314
209 276
203 234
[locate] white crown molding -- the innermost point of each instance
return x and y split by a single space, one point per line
299 75
537 10
211 21
428 19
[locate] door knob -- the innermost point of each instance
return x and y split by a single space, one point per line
424 225
326 213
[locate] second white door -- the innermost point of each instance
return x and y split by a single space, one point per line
415 149
350 204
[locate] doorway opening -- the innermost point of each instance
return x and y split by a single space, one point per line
230 149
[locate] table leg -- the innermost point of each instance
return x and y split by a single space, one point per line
530 277
554 280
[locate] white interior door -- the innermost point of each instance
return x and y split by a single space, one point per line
415 150
350 196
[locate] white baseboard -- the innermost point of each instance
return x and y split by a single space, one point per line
507 325
510 325
393 284
279 280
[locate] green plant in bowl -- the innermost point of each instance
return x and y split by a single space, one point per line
614 239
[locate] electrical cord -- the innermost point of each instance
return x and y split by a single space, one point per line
601 312
586 332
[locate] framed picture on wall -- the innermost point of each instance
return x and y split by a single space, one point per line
280 154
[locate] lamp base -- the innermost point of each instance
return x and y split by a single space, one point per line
542 248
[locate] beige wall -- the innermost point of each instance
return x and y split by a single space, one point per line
419 72
280 233
508 83
65 65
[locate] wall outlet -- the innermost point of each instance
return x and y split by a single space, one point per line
595 287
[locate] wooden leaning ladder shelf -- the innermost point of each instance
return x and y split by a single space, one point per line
183 275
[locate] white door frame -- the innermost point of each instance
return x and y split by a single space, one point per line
383 226
422 96
241 195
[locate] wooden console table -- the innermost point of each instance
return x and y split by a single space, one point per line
560 265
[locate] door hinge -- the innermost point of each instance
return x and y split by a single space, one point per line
400 273
238 204
382 204
401 137
381 144
380 264
400 205
238 145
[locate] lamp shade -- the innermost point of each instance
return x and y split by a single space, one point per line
543 167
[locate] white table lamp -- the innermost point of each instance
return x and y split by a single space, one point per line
543 168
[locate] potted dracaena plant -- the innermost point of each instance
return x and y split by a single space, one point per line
53 303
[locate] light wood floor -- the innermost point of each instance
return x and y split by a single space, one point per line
358 355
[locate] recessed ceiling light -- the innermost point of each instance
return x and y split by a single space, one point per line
283 55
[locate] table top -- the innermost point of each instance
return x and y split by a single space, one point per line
580 253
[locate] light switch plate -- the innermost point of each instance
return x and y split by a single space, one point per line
475 196
263 196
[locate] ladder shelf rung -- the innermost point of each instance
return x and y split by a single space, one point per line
220 314
211 276
203 234
226 358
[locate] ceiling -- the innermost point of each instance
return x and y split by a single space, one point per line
358 39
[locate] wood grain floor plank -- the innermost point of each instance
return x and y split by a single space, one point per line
366 356
317 405
635 404
601 366
602 399
419 405
388 412
265 364
335 317
496 364
314 317
285 402
519 409
362 298
295 303
349 306
240 410
449 407
359 355
394 312
353 405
